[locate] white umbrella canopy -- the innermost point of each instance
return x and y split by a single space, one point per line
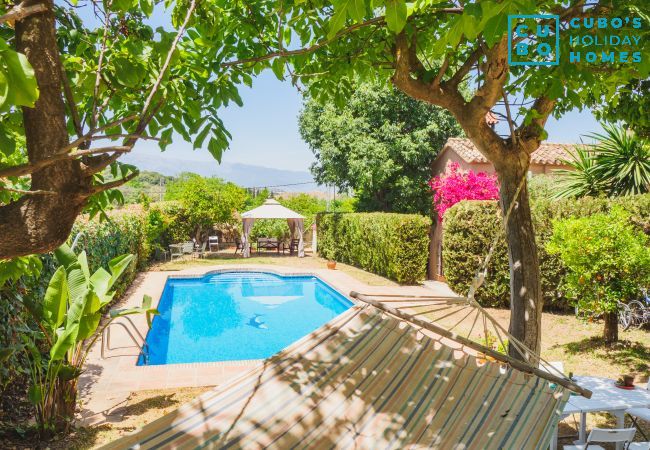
272 209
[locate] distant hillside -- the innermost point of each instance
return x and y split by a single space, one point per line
242 174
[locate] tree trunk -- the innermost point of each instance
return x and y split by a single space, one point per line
39 223
525 280
610 333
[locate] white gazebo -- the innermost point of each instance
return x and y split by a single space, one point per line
271 209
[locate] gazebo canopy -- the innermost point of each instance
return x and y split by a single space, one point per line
271 209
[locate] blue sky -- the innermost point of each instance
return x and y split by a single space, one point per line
265 130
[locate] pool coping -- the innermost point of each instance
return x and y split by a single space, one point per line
108 382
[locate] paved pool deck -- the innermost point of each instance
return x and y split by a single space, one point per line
107 382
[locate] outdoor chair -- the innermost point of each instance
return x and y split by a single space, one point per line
238 245
603 435
200 252
213 242
268 244
640 413
293 247
188 248
175 251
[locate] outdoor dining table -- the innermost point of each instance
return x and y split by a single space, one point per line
606 398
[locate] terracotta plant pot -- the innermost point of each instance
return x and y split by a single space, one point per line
331 265
628 380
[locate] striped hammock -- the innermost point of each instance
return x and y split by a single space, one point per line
366 380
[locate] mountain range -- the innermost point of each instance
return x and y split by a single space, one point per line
245 175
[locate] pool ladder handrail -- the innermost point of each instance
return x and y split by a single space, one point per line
143 346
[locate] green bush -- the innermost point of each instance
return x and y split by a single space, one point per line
469 228
607 260
392 245
103 241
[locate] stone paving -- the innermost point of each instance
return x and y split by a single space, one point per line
107 382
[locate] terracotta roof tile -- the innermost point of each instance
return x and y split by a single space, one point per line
548 153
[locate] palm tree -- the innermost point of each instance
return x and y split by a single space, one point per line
581 180
619 164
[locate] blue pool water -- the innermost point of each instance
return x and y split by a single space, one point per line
237 315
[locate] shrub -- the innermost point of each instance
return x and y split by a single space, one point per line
121 234
607 260
392 245
470 226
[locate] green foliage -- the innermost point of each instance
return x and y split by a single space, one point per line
206 201
14 269
146 183
393 245
606 256
380 144
619 164
104 240
469 228
69 315
631 106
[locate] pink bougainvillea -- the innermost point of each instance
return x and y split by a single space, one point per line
456 185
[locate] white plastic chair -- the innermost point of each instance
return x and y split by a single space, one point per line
213 241
622 435
640 413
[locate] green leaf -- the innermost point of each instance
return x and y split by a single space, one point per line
338 19
35 394
90 317
21 78
117 266
216 148
55 301
396 14
64 342
4 89
277 66
65 256
200 138
147 7
100 282
357 9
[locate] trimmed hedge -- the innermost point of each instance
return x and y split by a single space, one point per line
103 241
469 228
392 245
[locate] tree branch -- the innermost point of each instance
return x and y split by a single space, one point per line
531 134
26 169
98 74
113 184
24 192
301 51
69 97
163 70
457 78
20 11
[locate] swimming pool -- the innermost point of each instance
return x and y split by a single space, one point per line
230 316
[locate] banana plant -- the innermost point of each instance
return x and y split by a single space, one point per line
69 318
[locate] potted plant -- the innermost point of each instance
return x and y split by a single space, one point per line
331 264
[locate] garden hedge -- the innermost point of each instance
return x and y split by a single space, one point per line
469 227
392 245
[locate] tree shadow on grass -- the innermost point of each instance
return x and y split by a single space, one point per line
635 356
146 405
